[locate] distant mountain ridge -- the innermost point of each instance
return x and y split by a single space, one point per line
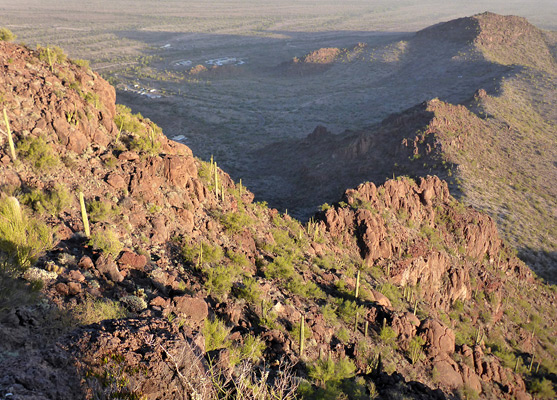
500 138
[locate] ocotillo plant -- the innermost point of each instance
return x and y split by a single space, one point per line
10 138
84 215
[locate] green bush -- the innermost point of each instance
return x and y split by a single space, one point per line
38 153
388 336
202 253
53 201
250 290
220 279
252 349
81 63
22 239
106 241
101 211
52 55
6 35
542 389
348 309
92 311
235 222
146 134
216 334
323 371
280 268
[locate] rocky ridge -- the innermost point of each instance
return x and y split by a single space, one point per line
186 254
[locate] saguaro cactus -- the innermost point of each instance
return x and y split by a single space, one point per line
84 215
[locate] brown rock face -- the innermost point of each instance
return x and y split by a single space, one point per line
132 260
106 266
413 225
150 354
440 340
194 309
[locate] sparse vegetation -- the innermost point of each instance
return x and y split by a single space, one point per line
6 35
37 152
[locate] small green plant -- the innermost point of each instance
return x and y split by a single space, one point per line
343 335
22 239
542 389
6 35
235 222
102 211
250 290
388 336
107 241
252 349
38 153
415 352
220 279
81 63
53 55
216 334
92 311
323 371
52 201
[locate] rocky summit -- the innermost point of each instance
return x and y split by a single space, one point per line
131 269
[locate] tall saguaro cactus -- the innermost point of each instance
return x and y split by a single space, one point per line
84 215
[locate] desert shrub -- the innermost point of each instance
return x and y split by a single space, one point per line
219 280
6 35
348 309
22 239
330 314
252 349
93 98
37 152
106 241
92 311
147 142
392 293
216 334
280 268
101 211
296 285
323 371
81 63
52 201
202 253
146 134
249 290
343 335
415 349
134 303
239 260
52 55
235 222
388 336
542 389
468 393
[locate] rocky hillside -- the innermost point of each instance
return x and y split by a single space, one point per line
179 286
495 149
